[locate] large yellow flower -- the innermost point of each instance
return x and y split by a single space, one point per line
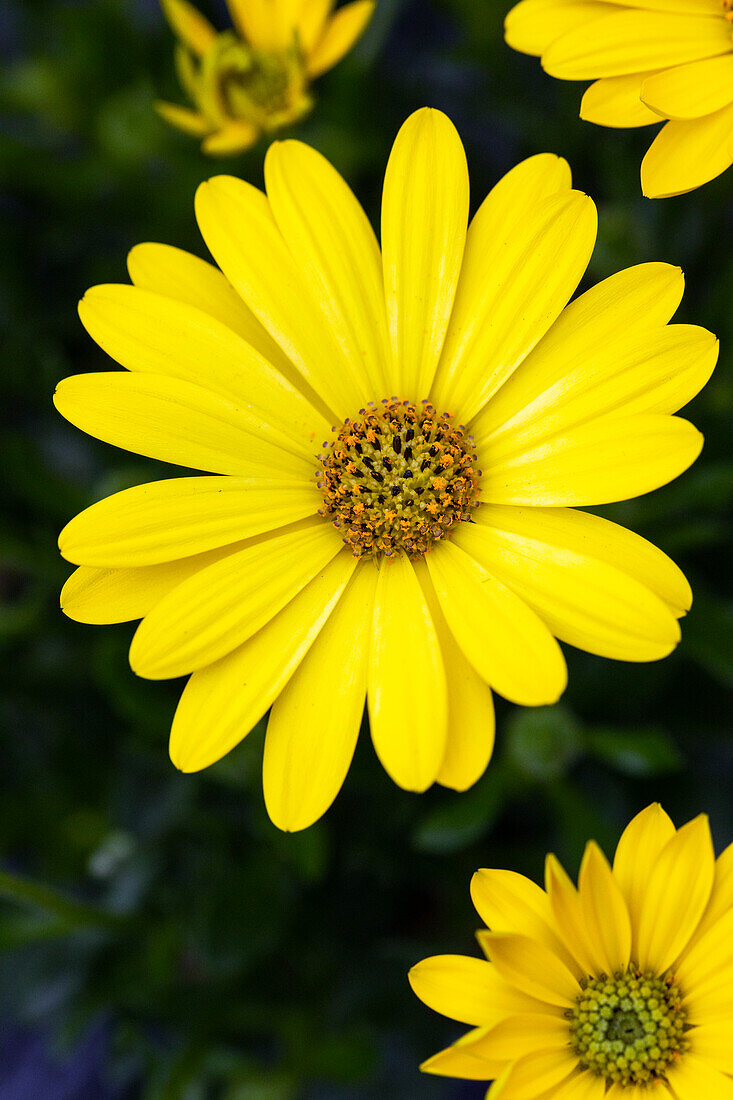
651 60
621 989
397 437
255 79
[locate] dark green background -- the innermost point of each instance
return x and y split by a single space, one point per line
213 956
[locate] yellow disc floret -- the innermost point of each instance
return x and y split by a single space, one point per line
628 1028
398 478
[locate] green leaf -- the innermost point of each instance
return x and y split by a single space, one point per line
543 743
639 752
76 914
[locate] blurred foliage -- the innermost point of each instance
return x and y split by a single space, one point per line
157 922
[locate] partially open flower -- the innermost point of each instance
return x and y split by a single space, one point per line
617 990
256 78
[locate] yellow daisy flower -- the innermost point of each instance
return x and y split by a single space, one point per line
650 60
621 989
398 440
256 78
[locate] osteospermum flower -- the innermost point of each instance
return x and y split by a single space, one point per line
398 439
650 60
621 989
255 79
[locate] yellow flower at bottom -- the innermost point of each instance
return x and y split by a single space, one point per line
256 78
621 989
399 440
651 60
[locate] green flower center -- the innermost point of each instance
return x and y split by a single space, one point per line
629 1028
400 477
266 88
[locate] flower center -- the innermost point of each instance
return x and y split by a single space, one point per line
398 478
728 10
266 88
630 1028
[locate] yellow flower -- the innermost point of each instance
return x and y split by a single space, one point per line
358 408
651 60
621 989
255 79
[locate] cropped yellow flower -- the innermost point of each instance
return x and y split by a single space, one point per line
256 78
397 437
651 60
621 989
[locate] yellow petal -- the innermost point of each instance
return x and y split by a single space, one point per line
504 640
690 7
259 22
188 24
312 22
170 271
233 137
635 42
509 902
713 1043
635 1092
183 118
586 1086
238 227
690 91
713 1002
532 25
706 963
533 969
312 732
222 606
157 335
604 909
341 34
721 899
616 101
471 721
570 918
621 314
166 520
676 894
516 279
468 990
605 460
175 421
565 529
520 1035
408 706
509 206
223 702
537 1075
692 1078
98 596
685 155
564 384
334 245
636 856
460 1061
584 601
424 220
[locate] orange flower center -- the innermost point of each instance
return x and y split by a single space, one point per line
400 477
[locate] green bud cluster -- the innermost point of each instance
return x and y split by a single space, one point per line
628 1028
